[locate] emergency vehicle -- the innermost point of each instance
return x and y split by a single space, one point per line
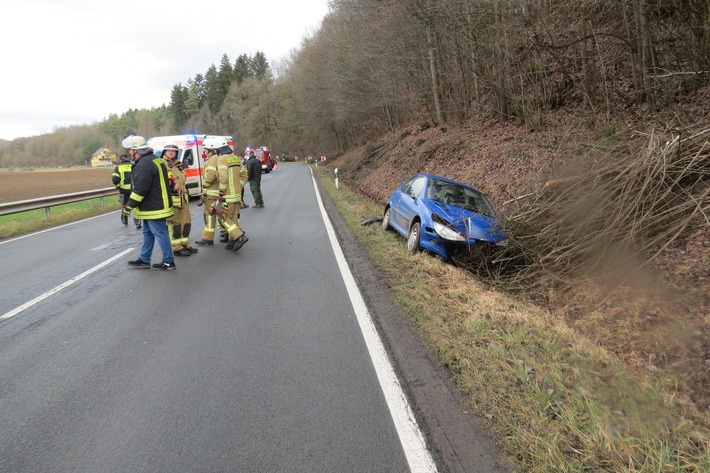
191 153
264 155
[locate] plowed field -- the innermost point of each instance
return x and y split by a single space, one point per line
22 185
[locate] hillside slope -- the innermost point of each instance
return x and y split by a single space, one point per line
656 317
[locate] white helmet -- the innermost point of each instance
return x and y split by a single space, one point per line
214 142
134 142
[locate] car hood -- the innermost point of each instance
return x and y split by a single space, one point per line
471 224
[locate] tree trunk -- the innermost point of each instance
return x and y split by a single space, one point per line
431 53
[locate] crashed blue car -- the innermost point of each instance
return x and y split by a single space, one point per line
442 216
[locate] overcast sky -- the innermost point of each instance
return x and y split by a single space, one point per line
74 62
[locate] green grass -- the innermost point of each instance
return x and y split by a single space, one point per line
34 220
557 401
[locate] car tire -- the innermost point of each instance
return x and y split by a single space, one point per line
386 221
415 232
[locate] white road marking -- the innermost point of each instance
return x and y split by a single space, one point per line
42 297
410 436
56 228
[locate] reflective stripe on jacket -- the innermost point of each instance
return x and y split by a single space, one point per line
211 181
232 178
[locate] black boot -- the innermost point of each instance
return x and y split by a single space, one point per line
239 242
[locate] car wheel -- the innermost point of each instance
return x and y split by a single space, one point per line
386 221
413 238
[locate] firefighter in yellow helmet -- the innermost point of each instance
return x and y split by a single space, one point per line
180 224
210 187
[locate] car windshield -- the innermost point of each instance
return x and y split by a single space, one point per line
460 196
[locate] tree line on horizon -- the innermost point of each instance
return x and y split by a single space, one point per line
376 66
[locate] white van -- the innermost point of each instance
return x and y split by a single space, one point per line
191 154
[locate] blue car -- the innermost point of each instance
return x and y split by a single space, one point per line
442 216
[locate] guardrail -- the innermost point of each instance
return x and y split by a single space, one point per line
46 203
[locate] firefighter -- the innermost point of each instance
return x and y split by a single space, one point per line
210 196
121 178
151 199
180 224
232 177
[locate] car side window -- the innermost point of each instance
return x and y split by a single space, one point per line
407 186
417 187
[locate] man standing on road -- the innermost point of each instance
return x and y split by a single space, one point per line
152 200
254 172
232 177
121 178
180 224
210 198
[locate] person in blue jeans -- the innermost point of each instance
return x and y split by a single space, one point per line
151 201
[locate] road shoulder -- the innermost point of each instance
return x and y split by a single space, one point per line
456 438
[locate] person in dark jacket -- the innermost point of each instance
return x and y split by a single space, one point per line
151 201
254 171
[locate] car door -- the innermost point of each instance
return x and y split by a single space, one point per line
409 207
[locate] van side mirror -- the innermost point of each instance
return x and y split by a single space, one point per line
187 161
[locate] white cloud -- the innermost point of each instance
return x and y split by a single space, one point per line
77 61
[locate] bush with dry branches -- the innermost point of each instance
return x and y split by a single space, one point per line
614 212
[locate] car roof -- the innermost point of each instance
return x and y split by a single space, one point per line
446 179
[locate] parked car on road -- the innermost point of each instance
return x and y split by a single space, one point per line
442 216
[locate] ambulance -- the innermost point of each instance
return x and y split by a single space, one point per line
191 153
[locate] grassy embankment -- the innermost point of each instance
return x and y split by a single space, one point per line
35 220
557 401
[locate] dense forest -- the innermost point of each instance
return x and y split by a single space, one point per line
376 65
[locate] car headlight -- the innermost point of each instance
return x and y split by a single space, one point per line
447 233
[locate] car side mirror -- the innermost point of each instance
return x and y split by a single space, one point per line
187 161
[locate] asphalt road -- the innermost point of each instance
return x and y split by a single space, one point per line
254 361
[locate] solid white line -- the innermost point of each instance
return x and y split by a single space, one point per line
42 297
410 436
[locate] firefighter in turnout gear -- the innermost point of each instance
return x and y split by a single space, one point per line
232 176
210 197
122 179
151 197
180 224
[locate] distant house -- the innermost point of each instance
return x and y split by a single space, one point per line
102 157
